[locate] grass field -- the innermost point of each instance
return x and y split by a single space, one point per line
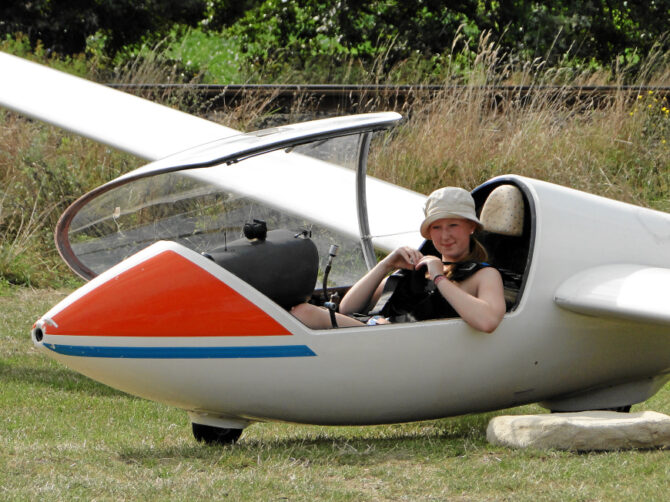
65 437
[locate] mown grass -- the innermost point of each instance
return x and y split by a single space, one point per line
65 437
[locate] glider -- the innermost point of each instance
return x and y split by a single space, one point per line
194 260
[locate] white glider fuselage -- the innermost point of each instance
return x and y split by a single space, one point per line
408 371
590 327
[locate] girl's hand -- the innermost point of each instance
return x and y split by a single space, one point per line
433 264
404 257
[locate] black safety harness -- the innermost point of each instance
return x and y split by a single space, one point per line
409 296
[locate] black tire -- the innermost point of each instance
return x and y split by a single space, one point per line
618 409
215 435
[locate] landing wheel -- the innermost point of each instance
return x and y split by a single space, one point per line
619 409
215 435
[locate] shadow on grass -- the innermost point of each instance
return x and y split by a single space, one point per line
55 378
340 451
356 445
452 437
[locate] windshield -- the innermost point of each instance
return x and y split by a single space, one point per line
302 189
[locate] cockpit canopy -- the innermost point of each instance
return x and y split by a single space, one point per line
307 178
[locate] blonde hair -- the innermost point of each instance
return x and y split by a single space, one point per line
477 254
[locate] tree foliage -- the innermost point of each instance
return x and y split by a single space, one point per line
598 29
64 26
595 30
295 31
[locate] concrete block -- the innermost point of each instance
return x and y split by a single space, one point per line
583 431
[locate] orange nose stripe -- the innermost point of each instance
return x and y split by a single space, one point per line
166 295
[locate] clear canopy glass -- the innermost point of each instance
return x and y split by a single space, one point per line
297 184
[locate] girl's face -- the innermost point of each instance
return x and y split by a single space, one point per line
451 237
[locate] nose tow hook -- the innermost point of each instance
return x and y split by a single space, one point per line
38 330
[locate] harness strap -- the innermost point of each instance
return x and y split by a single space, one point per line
407 294
390 287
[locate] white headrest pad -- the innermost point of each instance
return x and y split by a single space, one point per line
503 211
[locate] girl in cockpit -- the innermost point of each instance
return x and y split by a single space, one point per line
457 282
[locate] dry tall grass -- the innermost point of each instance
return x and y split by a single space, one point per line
617 147
43 170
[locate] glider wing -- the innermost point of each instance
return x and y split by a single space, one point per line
629 292
108 116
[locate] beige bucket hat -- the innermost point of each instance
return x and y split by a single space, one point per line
448 202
